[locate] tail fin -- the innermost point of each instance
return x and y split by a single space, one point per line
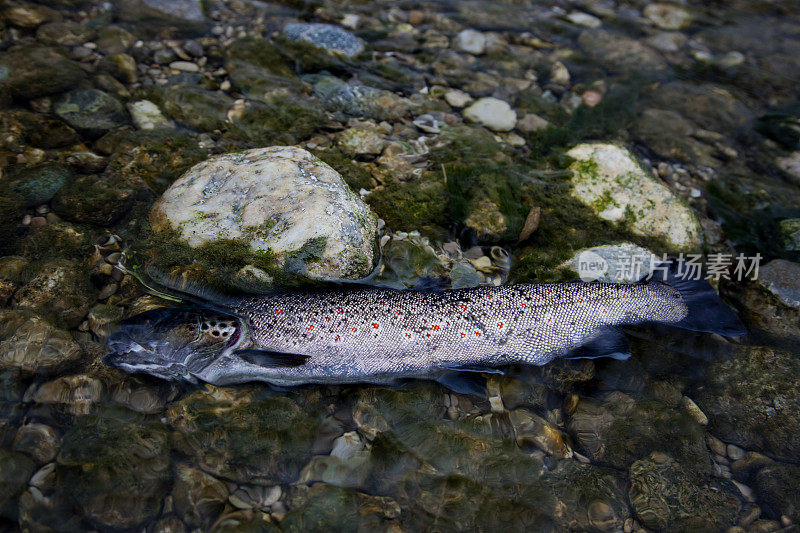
706 311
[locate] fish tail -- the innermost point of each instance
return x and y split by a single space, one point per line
706 312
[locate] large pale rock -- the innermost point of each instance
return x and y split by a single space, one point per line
281 199
607 178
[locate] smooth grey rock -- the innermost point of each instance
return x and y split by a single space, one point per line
493 113
91 110
782 278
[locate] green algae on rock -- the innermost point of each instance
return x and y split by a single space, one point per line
282 203
609 179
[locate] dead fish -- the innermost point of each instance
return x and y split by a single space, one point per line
379 335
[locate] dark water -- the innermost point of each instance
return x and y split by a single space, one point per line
693 432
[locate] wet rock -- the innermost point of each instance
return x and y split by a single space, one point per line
464 275
782 278
76 394
257 68
17 469
790 231
58 293
113 39
663 497
361 141
256 497
751 402
115 470
360 100
31 71
592 498
709 106
530 428
470 41
493 113
620 430
620 54
778 489
326 36
37 184
92 111
197 107
199 498
37 347
458 98
486 219
102 319
38 441
157 157
669 134
96 200
147 116
346 466
667 16
256 440
65 33
531 122
330 232
165 16
608 179
616 263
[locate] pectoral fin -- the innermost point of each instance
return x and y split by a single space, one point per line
464 383
268 359
607 343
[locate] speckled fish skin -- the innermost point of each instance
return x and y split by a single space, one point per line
379 335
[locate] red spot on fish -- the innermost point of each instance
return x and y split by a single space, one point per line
464 307
310 328
338 337
435 328
278 311
399 312
354 330
408 335
489 296
537 299
522 305
339 311
383 303
580 300
478 333
624 295
374 325
428 334
604 310
549 319
463 334
548 292
328 318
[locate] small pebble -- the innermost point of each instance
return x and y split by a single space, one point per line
42 209
117 274
785 521
52 218
107 291
225 85
26 220
193 48
113 258
38 222
184 66
716 445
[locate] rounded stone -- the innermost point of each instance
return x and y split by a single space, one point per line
91 110
470 41
39 441
280 200
493 113
607 178
38 184
327 36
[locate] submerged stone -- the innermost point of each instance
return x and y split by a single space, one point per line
36 347
665 498
607 178
91 111
37 184
280 200
782 278
31 71
751 400
327 36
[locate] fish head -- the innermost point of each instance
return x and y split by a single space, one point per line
174 343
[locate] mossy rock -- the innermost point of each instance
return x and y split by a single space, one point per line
32 70
778 489
752 401
96 200
196 107
45 131
356 176
257 439
419 204
12 209
92 111
37 184
115 467
158 157
257 68
326 508
277 120
664 497
17 469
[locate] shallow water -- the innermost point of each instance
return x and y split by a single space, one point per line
693 432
